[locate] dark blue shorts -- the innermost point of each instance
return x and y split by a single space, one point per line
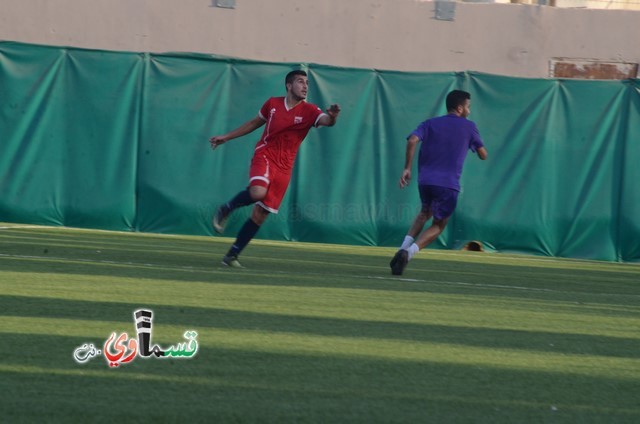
440 201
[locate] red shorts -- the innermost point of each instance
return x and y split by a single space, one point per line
264 174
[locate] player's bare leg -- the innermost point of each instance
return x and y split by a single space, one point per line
403 256
430 234
259 214
415 229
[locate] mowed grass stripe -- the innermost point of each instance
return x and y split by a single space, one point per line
206 244
297 300
301 387
296 343
314 333
380 272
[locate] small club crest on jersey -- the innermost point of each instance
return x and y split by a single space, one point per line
297 119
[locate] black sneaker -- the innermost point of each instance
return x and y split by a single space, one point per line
399 262
394 260
232 261
220 219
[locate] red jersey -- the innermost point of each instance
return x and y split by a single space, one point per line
285 129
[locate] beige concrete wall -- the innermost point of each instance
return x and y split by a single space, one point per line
507 39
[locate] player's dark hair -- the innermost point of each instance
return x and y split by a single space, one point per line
456 98
292 76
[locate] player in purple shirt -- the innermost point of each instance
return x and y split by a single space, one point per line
445 143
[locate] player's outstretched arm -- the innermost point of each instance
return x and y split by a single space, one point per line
243 129
329 120
482 153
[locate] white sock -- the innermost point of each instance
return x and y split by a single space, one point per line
408 241
413 249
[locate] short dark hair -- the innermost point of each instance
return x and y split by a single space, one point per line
292 76
456 98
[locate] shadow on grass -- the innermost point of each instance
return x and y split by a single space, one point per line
199 260
536 341
224 385
326 275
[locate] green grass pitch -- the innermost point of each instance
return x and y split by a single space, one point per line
313 333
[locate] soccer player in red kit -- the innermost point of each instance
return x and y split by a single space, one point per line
288 121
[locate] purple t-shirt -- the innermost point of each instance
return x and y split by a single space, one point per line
445 143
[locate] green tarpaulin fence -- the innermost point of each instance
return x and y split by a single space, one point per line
119 141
